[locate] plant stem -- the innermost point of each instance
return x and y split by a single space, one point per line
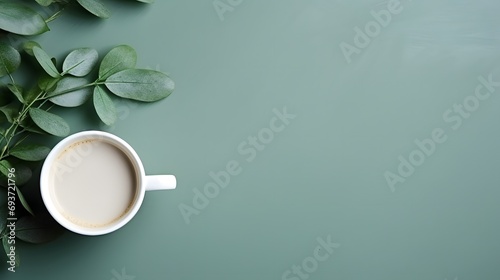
93 84
12 79
12 129
10 133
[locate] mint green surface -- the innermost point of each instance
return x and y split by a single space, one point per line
322 176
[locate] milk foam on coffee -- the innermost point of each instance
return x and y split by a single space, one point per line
93 183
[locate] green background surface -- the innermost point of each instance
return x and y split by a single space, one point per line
323 175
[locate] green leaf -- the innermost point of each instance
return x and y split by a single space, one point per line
50 123
39 229
30 126
71 92
28 47
20 19
11 111
45 61
146 1
80 62
5 166
10 59
95 7
23 201
119 58
3 179
104 106
31 94
47 83
30 152
45 3
22 172
140 84
17 90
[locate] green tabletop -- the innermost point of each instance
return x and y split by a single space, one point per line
312 139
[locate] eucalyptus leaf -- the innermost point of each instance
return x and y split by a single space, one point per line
31 94
140 84
96 7
46 62
11 111
39 229
45 3
22 172
30 152
29 125
146 1
117 59
24 202
10 59
21 19
104 106
47 83
17 90
50 123
5 166
28 47
80 62
71 92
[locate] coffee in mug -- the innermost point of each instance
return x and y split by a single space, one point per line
93 182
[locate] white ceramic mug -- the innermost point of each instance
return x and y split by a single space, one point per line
142 183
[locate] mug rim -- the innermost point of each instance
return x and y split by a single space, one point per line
45 187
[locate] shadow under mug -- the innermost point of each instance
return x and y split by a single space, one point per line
142 182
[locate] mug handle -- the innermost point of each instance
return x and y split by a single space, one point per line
160 182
